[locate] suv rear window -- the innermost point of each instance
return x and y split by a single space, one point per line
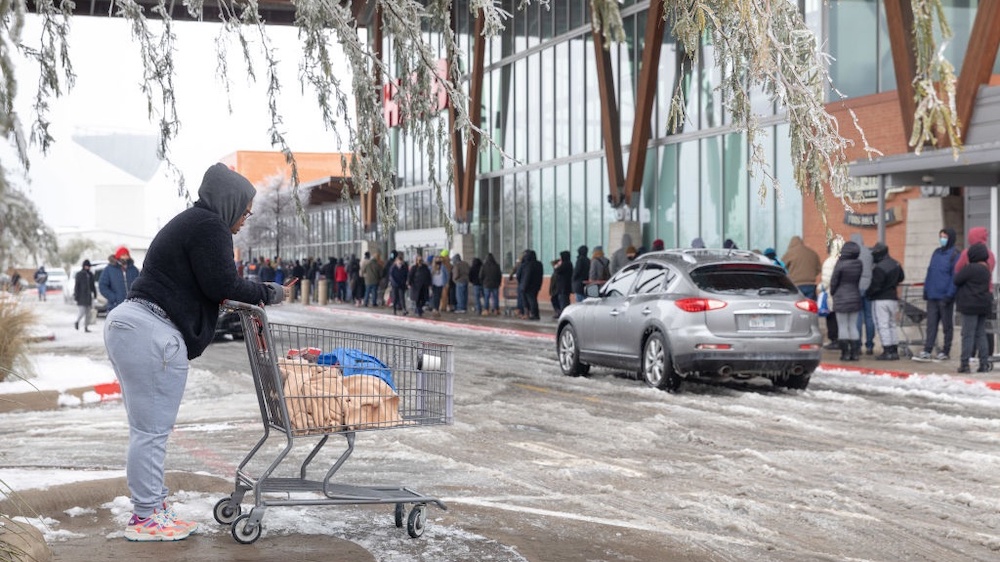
743 279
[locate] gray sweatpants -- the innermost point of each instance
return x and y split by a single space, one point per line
884 313
150 360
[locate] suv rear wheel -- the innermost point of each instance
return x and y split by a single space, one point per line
657 368
568 350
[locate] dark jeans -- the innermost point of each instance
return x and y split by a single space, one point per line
398 298
974 338
866 319
531 304
831 327
809 291
944 312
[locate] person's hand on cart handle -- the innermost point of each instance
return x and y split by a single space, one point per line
276 293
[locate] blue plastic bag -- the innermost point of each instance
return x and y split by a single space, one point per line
823 302
356 362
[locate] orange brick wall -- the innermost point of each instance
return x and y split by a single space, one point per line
880 119
258 166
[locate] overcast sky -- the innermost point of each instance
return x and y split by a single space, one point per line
107 97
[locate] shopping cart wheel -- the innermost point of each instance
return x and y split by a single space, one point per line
415 524
225 513
400 515
244 532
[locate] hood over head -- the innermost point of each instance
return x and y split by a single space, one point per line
582 251
698 243
626 240
657 245
977 235
950 234
978 252
879 251
565 256
850 251
226 192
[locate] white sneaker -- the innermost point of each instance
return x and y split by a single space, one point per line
923 356
942 357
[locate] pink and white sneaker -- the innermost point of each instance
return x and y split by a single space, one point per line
156 527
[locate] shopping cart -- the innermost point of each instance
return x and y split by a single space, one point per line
912 317
510 296
315 382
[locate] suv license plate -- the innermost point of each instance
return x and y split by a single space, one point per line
762 322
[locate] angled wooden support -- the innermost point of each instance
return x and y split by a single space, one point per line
979 59
645 96
466 182
369 203
899 20
610 122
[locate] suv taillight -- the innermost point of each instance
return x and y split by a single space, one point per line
699 305
808 306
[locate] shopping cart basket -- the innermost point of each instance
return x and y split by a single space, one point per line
509 291
912 317
314 382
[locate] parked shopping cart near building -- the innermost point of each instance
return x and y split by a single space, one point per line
911 319
510 296
312 383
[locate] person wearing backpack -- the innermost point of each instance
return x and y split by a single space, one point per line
939 292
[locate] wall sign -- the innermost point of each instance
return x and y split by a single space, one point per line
865 190
870 220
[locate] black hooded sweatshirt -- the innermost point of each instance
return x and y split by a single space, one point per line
973 296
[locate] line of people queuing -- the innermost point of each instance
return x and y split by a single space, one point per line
863 286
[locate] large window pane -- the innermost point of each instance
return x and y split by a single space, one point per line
578 201
666 198
711 191
689 194
735 190
562 100
853 36
789 205
533 107
596 174
548 109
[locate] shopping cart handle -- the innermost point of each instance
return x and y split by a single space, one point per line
237 305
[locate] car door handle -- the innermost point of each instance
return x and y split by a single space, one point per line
613 312
647 311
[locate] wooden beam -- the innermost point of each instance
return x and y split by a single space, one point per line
610 121
369 203
899 21
977 67
463 203
645 96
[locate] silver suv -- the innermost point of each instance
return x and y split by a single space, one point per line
697 313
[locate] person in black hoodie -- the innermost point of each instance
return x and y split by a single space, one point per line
531 281
581 273
887 274
847 300
168 319
563 278
975 301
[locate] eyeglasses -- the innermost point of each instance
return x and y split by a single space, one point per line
247 214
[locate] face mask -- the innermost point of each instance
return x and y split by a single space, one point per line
944 241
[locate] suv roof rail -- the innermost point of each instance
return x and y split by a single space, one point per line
689 255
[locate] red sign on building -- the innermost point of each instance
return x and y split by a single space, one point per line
390 108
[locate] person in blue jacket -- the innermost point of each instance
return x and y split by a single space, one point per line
117 278
939 292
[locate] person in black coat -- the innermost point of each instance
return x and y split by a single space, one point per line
399 274
975 301
563 278
887 274
531 281
420 283
581 273
84 293
491 277
846 297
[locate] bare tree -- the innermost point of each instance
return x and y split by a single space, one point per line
275 213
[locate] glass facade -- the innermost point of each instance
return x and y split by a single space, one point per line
546 186
859 44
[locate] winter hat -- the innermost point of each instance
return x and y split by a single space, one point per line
444 253
226 192
121 251
657 245
769 252
86 263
